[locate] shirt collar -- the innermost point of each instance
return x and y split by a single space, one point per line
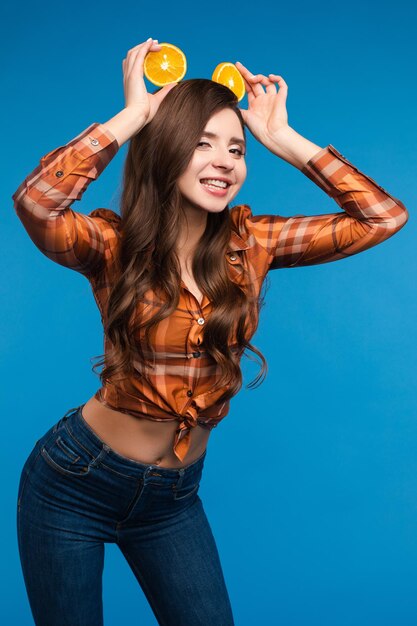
236 242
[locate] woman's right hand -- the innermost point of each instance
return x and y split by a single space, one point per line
137 99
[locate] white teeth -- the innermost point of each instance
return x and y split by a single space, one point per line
214 182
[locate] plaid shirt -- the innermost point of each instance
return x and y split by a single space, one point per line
181 384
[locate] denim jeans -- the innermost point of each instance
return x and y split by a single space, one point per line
76 494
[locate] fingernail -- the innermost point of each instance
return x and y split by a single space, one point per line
149 39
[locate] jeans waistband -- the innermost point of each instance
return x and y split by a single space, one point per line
81 430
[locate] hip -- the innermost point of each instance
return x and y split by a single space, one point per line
70 469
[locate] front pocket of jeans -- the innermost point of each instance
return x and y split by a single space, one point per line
66 455
185 492
73 456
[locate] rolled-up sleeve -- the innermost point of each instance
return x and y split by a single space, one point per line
370 215
42 202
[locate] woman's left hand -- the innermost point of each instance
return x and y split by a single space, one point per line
267 112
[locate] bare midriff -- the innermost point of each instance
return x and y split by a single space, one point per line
139 439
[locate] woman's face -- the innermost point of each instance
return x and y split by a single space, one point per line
218 156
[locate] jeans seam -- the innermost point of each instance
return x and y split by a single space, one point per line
110 469
28 470
145 589
137 496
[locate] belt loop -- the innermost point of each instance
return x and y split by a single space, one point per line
181 472
61 420
97 461
147 472
71 411
65 417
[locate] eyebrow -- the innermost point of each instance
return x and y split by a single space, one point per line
207 133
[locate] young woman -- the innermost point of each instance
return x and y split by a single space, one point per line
177 277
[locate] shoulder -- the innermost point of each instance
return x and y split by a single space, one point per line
246 223
108 215
239 212
258 231
107 226
239 215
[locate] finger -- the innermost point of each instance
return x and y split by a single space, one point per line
144 48
248 86
133 53
139 52
281 82
270 87
252 85
244 70
246 74
140 45
249 91
244 112
255 81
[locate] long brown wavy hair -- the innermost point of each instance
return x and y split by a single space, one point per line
151 221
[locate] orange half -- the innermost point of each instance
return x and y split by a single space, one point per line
166 65
227 74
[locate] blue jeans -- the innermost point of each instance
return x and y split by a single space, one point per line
76 494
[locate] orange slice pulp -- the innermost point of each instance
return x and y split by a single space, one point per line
166 65
227 74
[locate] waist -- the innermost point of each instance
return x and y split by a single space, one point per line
134 402
141 440
121 462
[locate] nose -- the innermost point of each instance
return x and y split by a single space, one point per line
223 158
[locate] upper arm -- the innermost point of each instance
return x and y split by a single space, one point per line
43 203
370 215
83 243
308 240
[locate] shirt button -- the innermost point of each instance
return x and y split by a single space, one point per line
201 321
59 173
94 142
189 393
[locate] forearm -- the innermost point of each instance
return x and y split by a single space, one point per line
292 147
124 125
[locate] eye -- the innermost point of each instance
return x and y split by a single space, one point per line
205 143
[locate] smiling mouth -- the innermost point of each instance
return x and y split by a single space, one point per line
221 187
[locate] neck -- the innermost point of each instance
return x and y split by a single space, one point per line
191 231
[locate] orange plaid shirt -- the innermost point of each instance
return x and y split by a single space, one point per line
181 384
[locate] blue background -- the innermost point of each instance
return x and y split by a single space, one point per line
315 517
